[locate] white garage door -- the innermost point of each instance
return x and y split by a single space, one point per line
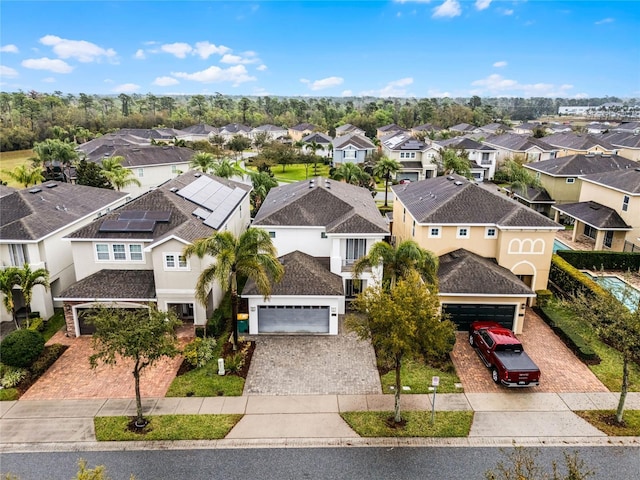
293 319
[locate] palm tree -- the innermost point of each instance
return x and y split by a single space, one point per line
384 168
8 281
251 255
117 175
398 262
454 161
202 161
262 182
26 175
351 173
225 168
27 280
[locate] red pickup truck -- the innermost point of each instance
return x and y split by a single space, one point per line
502 352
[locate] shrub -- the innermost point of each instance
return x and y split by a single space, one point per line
48 358
569 335
21 348
36 324
543 297
571 281
199 351
596 260
234 362
11 376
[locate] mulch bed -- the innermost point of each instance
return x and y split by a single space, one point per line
227 350
31 378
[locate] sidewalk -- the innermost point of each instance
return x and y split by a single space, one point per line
314 420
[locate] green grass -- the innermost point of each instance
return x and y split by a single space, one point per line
602 420
9 161
374 424
205 382
7 394
418 376
296 172
54 324
166 427
609 370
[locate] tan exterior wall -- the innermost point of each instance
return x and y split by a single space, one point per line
86 262
630 153
560 190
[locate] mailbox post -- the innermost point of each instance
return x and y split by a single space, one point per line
435 381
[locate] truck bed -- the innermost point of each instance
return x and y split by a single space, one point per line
516 361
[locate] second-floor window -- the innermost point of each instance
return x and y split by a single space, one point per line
18 254
463 232
571 180
407 154
434 232
356 248
175 261
486 160
490 232
141 172
119 252
625 203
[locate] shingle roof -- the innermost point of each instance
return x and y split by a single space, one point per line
337 206
464 143
182 222
426 127
594 214
533 195
464 272
5 190
359 141
581 164
140 156
622 139
455 200
317 137
462 127
304 126
303 275
518 143
234 128
113 284
625 180
269 128
347 128
577 141
111 141
403 142
31 216
200 129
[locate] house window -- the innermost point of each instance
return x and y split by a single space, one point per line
174 169
485 157
119 252
625 203
434 232
350 154
323 234
272 234
404 215
463 232
356 248
135 252
141 172
413 229
18 254
490 232
354 287
102 251
571 180
407 154
175 261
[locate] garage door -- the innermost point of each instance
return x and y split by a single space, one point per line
85 328
293 319
464 314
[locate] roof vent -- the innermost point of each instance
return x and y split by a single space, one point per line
457 183
637 169
174 189
35 190
52 185
197 175
450 178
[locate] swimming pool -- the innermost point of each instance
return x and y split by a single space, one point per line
558 245
623 291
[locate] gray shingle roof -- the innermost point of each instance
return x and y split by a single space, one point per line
622 139
518 143
581 164
318 137
182 223
304 126
533 195
359 141
455 200
303 275
464 272
575 141
141 156
464 143
200 129
594 214
113 284
627 180
337 206
28 216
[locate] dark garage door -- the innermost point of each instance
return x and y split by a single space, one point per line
464 314
85 328
293 319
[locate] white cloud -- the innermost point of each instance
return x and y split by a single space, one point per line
165 81
434 93
11 48
507 11
249 57
179 49
498 85
450 8
604 20
347 93
44 63
127 88
206 49
323 83
235 75
8 72
49 80
139 55
500 64
391 89
81 50
482 4
261 68
581 95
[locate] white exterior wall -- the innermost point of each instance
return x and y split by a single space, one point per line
336 305
153 176
305 239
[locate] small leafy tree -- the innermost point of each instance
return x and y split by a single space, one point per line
455 161
90 174
403 321
140 335
238 144
522 464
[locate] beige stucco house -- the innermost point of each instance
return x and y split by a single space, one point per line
417 157
569 143
494 252
132 257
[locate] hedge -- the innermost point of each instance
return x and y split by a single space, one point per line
571 281
569 336
596 260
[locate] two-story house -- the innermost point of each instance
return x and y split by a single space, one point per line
627 143
324 142
33 222
576 143
607 214
297 132
494 252
132 257
272 132
482 158
510 146
417 157
348 129
352 148
391 129
232 129
199 132
320 228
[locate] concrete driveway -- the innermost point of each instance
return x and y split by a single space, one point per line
312 365
561 371
71 377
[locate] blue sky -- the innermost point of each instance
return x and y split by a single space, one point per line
405 48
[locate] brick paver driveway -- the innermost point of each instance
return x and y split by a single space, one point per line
71 377
307 365
561 370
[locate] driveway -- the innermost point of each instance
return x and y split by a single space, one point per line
71 377
561 371
312 365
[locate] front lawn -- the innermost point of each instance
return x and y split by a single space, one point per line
296 172
418 424
604 420
417 376
53 325
205 382
166 427
9 161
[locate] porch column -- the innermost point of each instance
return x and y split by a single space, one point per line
556 216
336 259
599 240
574 234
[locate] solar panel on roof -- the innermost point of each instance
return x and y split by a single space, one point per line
132 214
201 213
140 226
158 215
111 226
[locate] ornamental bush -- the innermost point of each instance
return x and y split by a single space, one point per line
199 351
21 348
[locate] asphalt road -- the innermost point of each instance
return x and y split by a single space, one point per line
450 463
